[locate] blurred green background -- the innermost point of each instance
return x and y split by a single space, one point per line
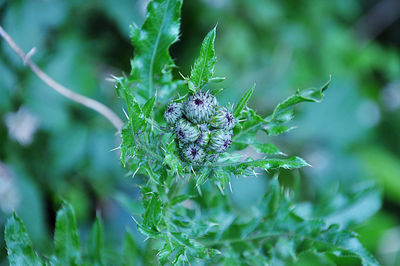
52 148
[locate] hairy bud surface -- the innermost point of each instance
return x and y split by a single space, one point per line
173 113
193 153
203 129
185 131
200 107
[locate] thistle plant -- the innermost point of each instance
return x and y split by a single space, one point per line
184 144
203 130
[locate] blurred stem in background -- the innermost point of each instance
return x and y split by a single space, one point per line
76 97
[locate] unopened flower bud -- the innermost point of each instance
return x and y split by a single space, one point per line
223 119
200 107
173 113
204 136
220 140
185 131
193 153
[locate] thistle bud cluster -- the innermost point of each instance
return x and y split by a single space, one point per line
203 129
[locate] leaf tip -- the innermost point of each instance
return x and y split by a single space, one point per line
327 83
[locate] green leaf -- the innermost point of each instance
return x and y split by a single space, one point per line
66 239
216 91
246 130
203 69
354 207
222 178
136 117
274 234
148 107
266 164
306 95
272 198
243 101
19 246
273 125
95 243
216 79
127 145
275 129
267 148
152 214
152 41
241 168
172 160
130 250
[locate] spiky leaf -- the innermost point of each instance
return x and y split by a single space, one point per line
19 245
66 239
95 243
243 101
203 69
152 41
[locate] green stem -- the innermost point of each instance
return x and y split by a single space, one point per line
238 240
272 235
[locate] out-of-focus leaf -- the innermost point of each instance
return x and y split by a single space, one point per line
19 246
66 239
282 234
95 244
132 205
384 168
374 228
130 250
361 205
312 258
179 199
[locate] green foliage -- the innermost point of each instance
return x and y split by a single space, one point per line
270 234
130 250
95 250
276 233
243 101
66 239
152 63
204 66
187 212
19 246
67 250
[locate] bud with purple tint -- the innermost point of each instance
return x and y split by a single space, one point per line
185 131
220 140
223 119
204 136
173 113
200 107
193 153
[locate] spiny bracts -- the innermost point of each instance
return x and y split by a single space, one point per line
203 129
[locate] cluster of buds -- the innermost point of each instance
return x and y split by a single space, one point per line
202 127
